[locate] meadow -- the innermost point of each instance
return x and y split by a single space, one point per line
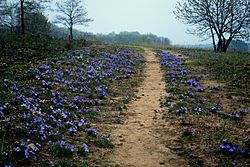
208 99
57 110
51 113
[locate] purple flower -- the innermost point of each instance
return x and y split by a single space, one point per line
92 131
35 149
31 152
72 129
17 149
212 108
1 114
222 146
203 99
98 89
22 143
70 147
245 110
44 66
26 153
234 115
231 150
81 122
86 148
198 109
241 150
61 143
228 146
64 115
80 111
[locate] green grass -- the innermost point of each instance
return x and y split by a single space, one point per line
221 120
232 68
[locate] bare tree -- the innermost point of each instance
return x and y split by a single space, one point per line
72 12
221 20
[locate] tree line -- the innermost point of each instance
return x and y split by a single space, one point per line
134 38
122 37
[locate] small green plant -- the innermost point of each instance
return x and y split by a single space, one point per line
196 163
64 163
60 149
84 164
92 132
93 114
105 142
188 134
84 150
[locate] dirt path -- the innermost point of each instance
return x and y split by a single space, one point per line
142 141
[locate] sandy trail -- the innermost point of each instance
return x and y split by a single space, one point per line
142 141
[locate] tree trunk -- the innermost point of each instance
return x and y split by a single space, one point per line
227 43
68 43
71 32
22 17
213 39
219 44
223 46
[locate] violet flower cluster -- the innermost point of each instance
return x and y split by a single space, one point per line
53 99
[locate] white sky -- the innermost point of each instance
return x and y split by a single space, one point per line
144 16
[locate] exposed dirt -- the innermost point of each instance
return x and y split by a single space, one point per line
144 140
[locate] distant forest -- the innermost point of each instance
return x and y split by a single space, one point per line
122 37
57 32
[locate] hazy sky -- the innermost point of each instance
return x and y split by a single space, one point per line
145 16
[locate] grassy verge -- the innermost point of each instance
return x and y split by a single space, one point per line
208 99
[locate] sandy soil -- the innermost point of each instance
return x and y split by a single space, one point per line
144 140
